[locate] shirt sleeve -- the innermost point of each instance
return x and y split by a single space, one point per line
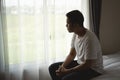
73 41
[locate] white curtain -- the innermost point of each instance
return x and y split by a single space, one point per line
33 35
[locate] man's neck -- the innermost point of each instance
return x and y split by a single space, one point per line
81 32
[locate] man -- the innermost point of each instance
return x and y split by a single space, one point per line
85 46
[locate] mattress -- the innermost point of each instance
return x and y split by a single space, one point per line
111 64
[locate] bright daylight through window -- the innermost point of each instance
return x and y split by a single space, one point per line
36 29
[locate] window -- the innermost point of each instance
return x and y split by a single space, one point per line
36 29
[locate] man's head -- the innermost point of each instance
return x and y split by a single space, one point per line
74 18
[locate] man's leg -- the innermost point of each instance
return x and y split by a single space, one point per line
55 66
81 75
52 69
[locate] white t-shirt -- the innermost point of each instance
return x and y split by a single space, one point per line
88 47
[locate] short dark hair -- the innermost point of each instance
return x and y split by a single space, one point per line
75 16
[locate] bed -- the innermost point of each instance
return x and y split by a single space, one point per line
111 64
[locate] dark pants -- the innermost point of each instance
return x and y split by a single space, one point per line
78 75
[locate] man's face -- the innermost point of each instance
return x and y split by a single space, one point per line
69 25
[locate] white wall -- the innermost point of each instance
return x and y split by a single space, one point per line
110 26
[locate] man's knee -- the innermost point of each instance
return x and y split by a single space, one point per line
51 67
54 66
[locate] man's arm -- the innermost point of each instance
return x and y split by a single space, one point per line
70 57
62 70
85 65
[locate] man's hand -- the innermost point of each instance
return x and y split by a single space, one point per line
62 71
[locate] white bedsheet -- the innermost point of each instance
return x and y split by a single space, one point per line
111 66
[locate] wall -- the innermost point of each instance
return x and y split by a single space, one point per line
110 26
